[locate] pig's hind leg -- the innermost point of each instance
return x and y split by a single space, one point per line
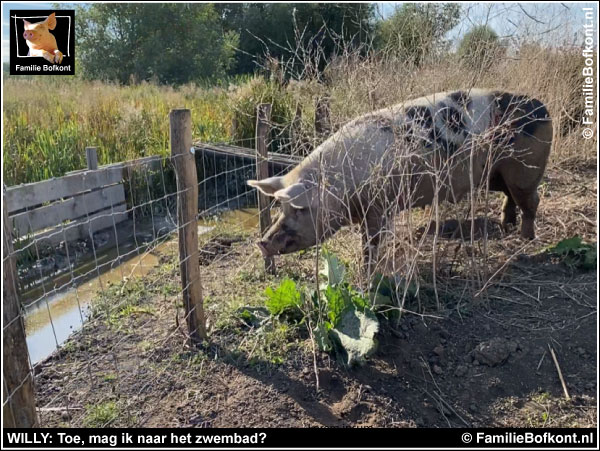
528 202
509 206
509 212
526 199
524 171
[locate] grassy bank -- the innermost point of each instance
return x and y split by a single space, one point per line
49 121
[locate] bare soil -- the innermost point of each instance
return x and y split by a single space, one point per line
483 361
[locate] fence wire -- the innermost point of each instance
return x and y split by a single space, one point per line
72 292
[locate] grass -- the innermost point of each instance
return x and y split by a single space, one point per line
49 121
120 301
101 415
110 377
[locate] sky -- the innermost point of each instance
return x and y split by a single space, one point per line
550 22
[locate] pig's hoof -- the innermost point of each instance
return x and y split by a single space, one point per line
527 234
58 57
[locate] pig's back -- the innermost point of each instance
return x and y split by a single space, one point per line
444 120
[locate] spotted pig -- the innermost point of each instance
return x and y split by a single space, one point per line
433 148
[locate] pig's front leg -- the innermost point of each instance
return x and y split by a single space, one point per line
55 57
58 56
48 56
372 228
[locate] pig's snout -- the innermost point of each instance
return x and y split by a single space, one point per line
28 35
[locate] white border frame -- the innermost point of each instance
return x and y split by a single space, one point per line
40 17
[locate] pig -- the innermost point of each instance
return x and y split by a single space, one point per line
434 148
40 41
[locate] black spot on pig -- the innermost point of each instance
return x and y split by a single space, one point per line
447 148
461 98
420 115
452 118
436 141
522 113
407 133
534 114
288 231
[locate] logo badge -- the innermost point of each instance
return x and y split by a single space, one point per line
42 42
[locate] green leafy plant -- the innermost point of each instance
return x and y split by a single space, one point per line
385 291
575 253
354 336
345 323
352 324
334 271
286 297
253 316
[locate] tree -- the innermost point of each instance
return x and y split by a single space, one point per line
277 29
416 30
169 43
479 46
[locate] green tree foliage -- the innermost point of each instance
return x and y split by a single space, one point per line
416 30
168 43
277 29
479 46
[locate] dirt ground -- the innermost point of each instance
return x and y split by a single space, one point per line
484 361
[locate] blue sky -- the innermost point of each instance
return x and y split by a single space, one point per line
550 22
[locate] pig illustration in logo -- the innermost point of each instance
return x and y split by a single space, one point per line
40 41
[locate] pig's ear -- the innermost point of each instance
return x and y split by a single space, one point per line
297 195
268 186
51 21
27 24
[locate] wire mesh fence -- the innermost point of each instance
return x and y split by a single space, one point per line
78 281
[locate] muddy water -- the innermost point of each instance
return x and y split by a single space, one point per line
245 218
52 319
52 316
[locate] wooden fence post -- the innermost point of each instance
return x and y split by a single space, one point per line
91 156
187 214
18 396
234 129
322 117
263 129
